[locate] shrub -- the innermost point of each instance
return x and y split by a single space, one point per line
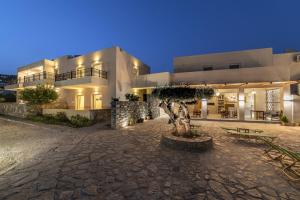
36 97
131 97
80 121
61 116
284 119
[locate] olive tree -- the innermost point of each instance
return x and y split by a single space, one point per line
39 96
182 96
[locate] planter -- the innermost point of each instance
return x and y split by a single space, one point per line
199 144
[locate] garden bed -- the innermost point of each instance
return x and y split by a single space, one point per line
76 121
198 144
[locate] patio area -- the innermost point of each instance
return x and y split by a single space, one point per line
100 163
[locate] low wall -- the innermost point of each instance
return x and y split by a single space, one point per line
101 115
97 115
124 113
13 109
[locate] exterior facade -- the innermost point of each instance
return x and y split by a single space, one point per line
249 85
84 82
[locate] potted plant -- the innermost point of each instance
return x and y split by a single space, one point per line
284 120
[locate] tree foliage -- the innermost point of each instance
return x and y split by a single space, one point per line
131 97
39 95
182 93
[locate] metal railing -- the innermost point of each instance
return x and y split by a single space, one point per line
80 73
36 77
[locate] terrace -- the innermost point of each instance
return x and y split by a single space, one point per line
81 77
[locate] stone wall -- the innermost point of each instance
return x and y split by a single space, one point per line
101 115
13 109
124 113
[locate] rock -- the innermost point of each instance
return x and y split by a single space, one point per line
31 177
206 177
96 156
254 193
152 168
90 190
231 189
114 196
166 192
167 184
65 195
220 190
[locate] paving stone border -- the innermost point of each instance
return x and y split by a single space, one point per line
199 144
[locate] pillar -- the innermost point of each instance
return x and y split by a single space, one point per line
204 108
241 104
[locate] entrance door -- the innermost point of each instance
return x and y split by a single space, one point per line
79 102
97 101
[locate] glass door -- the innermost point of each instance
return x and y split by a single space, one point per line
79 102
97 101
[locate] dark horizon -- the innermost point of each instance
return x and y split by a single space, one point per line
154 32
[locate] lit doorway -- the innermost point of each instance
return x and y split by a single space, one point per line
79 102
97 101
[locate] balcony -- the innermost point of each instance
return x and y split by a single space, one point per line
31 80
38 78
83 77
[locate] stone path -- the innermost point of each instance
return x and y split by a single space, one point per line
131 164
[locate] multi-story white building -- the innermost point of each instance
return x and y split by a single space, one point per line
249 85
84 82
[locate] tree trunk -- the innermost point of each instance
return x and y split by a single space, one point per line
180 122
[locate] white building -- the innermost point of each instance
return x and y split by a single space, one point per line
84 82
249 85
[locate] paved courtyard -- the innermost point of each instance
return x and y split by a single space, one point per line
54 162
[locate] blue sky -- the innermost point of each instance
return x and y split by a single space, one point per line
154 31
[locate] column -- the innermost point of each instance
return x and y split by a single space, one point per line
241 104
204 108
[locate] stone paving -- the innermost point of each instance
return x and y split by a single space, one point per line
131 164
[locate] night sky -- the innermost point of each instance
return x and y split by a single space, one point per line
153 31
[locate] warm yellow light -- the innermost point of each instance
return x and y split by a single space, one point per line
79 91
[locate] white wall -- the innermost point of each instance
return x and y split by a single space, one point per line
247 58
260 74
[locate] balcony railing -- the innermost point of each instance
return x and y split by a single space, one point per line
80 73
36 77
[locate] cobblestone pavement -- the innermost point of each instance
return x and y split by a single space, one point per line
131 164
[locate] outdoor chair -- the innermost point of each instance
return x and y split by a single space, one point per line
289 160
244 133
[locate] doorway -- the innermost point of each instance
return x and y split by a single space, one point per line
97 101
79 102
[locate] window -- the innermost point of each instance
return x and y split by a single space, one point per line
207 68
234 66
97 65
